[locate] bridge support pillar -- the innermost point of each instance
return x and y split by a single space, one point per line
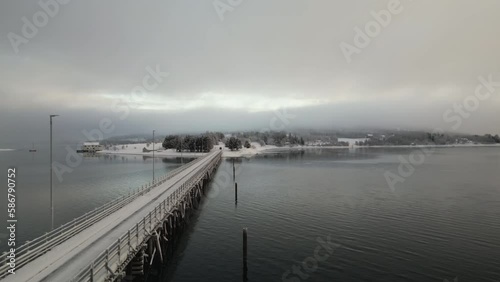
137 264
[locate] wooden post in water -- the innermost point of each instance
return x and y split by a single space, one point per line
245 267
235 192
234 174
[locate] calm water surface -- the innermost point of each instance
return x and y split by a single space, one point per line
442 222
97 180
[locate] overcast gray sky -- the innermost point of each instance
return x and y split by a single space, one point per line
229 69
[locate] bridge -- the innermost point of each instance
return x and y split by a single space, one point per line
120 238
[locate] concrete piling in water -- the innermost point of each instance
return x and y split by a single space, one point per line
235 192
158 246
245 249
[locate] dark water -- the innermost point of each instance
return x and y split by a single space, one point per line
442 222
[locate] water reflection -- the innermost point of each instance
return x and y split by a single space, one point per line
90 155
446 215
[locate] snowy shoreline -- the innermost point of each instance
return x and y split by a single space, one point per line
136 149
256 149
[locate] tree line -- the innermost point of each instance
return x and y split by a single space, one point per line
427 138
277 138
192 143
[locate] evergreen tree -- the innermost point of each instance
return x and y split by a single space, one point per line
171 142
233 143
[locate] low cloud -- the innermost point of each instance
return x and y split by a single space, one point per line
230 74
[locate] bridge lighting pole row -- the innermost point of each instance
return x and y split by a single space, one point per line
153 155
51 194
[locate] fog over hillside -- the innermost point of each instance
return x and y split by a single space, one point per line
211 70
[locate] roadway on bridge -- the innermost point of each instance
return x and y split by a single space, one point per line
64 261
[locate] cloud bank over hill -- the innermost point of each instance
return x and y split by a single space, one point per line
179 66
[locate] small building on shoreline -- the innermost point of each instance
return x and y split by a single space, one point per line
89 147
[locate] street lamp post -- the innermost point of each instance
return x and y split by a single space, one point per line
153 156
51 194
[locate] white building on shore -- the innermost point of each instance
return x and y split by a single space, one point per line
92 147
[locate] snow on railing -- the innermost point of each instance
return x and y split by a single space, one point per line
41 245
109 262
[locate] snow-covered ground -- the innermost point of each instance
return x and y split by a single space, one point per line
136 149
255 149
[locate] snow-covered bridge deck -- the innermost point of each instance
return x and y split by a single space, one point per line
98 245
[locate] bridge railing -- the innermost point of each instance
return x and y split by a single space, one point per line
38 246
111 259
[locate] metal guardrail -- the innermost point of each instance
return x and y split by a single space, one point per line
110 260
41 245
